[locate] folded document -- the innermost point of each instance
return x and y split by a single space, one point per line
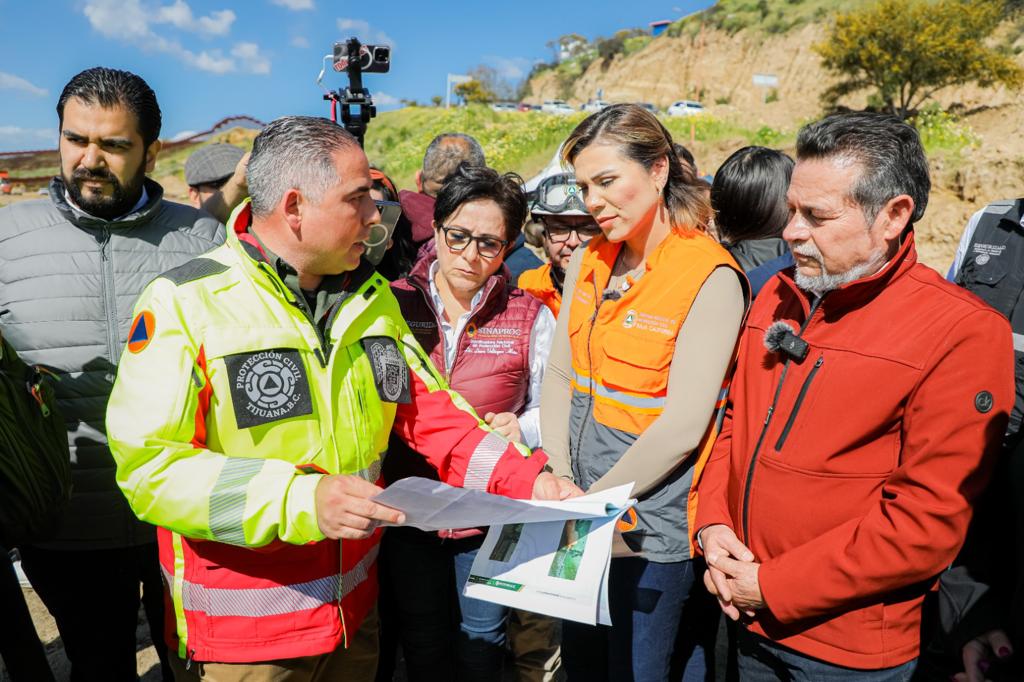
542 556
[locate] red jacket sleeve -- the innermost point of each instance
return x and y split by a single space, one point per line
713 486
441 426
920 520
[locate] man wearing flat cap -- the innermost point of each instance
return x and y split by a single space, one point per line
216 179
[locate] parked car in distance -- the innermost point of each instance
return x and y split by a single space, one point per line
523 106
556 106
685 107
649 107
594 105
504 106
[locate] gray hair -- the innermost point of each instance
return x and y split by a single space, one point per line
294 152
889 150
444 154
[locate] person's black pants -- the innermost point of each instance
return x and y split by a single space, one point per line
94 597
20 648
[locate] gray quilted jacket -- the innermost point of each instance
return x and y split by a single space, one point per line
69 283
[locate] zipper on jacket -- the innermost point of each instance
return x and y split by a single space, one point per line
298 302
440 332
109 296
588 413
799 401
745 515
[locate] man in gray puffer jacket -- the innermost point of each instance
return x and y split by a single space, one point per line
71 267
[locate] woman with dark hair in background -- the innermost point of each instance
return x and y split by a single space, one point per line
491 342
748 196
651 310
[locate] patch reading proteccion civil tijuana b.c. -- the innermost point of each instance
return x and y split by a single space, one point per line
267 386
390 371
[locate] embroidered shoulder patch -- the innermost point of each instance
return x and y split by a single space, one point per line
141 332
390 371
268 386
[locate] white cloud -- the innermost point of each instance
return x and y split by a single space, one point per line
362 30
509 68
300 41
8 81
294 5
16 138
251 60
383 99
180 16
128 21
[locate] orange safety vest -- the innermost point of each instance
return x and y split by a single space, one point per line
622 344
538 282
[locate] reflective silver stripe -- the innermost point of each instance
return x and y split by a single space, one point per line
257 602
355 576
227 500
618 396
1018 343
273 601
485 457
372 472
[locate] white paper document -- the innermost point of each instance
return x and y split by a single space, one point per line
432 505
541 556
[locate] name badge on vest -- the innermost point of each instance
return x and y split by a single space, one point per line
390 371
268 386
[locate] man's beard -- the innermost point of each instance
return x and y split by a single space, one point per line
830 281
122 197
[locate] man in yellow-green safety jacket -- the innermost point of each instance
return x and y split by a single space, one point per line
252 408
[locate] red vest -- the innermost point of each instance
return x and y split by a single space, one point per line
492 363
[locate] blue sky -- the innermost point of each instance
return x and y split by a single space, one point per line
210 59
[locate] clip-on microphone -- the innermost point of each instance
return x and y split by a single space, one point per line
782 337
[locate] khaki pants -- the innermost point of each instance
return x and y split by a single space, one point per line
357 663
535 641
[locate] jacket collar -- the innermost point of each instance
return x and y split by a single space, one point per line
137 217
495 285
241 239
863 290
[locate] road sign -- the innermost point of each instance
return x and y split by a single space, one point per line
766 80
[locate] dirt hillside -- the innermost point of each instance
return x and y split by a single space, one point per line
718 68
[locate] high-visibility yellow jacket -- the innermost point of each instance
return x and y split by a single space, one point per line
227 408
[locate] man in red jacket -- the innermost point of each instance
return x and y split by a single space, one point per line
869 400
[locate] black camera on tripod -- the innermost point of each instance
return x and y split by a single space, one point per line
355 102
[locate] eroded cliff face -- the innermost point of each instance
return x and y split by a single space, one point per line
718 69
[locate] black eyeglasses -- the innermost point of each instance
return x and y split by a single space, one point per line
458 239
559 233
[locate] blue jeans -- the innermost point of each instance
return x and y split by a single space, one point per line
648 602
481 643
762 660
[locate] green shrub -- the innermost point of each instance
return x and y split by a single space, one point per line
941 131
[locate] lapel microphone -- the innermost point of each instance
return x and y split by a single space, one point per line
782 337
611 295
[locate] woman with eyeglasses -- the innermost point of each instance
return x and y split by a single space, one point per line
490 341
652 309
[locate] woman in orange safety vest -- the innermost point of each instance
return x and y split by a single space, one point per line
652 308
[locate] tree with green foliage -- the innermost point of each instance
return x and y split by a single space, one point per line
474 92
437 100
907 50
